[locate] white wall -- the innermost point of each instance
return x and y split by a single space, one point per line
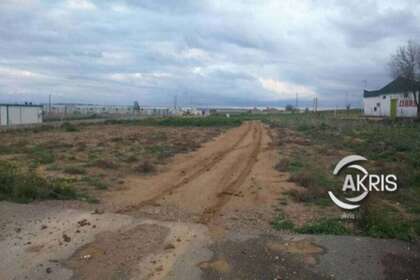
3 115
382 104
20 115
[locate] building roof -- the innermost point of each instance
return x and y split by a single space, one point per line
398 85
19 105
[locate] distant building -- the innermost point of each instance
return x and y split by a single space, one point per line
393 100
74 110
19 114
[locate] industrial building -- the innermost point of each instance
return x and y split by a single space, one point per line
393 100
20 114
74 110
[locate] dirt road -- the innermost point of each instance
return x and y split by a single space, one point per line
206 216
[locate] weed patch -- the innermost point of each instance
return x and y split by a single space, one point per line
145 167
75 170
282 223
96 182
384 222
18 186
69 127
42 155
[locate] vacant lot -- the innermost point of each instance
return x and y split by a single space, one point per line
311 145
76 161
167 213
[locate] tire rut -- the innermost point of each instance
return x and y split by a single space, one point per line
202 167
210 212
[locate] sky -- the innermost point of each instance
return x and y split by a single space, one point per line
206 53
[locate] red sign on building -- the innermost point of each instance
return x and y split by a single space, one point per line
407 103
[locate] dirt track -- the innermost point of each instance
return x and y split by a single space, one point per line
199 184
206 216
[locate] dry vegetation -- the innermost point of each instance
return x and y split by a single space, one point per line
311 145
84 159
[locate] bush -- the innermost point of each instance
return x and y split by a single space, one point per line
201 121
281 223
69 127
42 155
184 121
74 170
26 187
145 167
385 222
282 165
105 164
96 182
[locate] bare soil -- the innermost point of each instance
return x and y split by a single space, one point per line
105 154
205 215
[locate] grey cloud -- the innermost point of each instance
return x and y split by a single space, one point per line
234 44
375 27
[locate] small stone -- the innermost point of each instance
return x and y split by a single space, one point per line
48 270
169 246
86 257
66 238
98 212
83 223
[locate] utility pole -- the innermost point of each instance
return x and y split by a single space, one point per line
175 102
347 102
297 104
49 104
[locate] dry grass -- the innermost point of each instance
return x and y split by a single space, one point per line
91 157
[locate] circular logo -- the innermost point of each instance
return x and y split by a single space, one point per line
351 202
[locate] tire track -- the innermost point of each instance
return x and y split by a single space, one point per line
202 167
212 211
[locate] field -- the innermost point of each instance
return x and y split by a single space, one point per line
79 160
243 197
311 145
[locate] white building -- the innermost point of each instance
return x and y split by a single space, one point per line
393 100
18 114
68 110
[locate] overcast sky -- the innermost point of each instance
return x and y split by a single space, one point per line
231 53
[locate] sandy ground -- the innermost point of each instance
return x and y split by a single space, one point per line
206 216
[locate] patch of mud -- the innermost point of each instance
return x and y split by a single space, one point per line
305 248
262 258
114 255
401 267
221 265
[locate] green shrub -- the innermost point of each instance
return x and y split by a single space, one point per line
69 127
160 151
96 182
184 121
282 223
105 164
18 186
385 222
74 170
42 155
